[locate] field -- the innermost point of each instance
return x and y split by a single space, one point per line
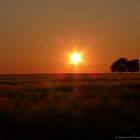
69 106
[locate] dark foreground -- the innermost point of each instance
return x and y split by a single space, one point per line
82 106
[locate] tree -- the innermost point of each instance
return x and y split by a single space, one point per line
123 65
120 65
133 65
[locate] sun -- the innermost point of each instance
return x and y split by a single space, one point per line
76 58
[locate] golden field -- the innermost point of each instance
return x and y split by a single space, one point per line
69 106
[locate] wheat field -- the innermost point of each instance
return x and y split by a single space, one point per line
69 106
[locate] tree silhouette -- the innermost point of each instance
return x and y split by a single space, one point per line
133 65
123 65
120 65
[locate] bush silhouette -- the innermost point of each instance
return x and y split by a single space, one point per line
123 65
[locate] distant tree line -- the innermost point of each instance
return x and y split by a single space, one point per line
123 65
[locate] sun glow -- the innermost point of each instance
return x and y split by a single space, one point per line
76 58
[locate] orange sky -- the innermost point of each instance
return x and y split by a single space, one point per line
37 36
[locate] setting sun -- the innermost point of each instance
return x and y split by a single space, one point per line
76 58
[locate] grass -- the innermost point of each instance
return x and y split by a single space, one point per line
71 106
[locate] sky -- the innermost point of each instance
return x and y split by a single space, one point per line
37 36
